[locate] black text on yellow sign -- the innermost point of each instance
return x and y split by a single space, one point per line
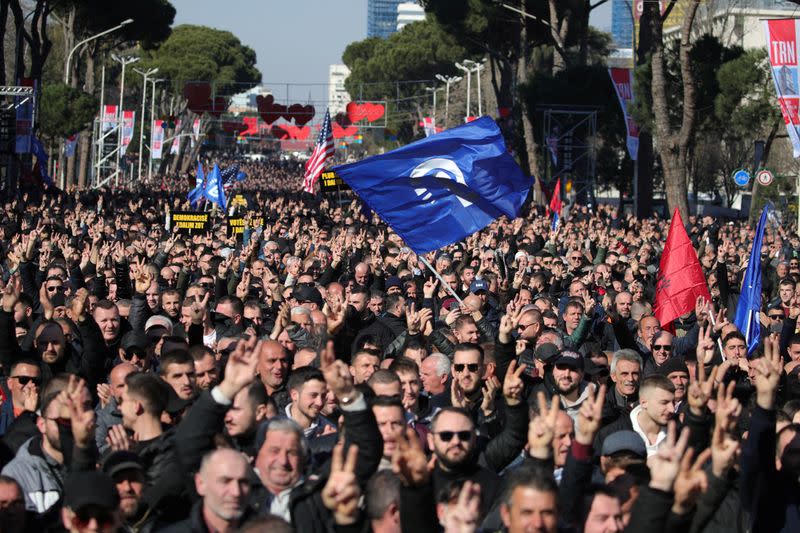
236 225
329 181
190 221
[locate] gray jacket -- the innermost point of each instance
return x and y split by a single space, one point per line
106 417
40 476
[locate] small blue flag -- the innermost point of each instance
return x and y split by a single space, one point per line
37 149
749 306
214 190
196 194
442 188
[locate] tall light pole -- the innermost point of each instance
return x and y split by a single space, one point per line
145 74
152 119
477 66
126 60
92 38
447 81
433 90
469 80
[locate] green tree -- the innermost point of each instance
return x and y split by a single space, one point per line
64 110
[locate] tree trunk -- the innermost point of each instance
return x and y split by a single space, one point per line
674 146
558 31
531 148
3 24
84 140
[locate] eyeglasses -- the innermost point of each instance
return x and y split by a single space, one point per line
54 289
525 326
777 317
24 380
665 347
472 367
447 436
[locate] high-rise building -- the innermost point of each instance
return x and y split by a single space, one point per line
622 23
409 12
338 98
381 17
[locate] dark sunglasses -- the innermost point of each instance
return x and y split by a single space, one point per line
776 317
54 289
665 347
472 367
24 380
447 436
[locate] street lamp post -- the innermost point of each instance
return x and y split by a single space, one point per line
93 37
123 61
152 118
469 80
477 66
433 90
145 74
447 81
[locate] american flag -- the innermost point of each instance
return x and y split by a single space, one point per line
229 177
322 151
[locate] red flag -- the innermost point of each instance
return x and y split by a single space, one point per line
555 199
680 276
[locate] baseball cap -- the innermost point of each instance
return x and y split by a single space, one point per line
304 293
91 487
478 285
450 303
624 441
159 320
393 281
118 461
58 300
134 339
547 352
570 358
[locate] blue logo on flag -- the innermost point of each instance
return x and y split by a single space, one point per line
440 189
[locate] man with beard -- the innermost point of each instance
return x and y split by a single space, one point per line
307 390
127 471
177 369
390 416
568 379
171 308
250 407
205 367
467 369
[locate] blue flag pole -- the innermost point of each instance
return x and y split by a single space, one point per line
750 297
446 285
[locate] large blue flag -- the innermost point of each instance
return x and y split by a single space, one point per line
442 188
37 149
749 306
196 194
214 190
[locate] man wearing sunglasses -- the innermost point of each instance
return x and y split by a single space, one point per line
19 392
467 371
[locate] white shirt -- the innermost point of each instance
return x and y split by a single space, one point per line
280 505
652 448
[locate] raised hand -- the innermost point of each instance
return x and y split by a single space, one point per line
412 320
409 461
337 375
458 397
513 384
82 417
342 491
490 388
768 371
104 393
690 481
335 313
700 389
542 427
142 280
11 293
508 323
728 408
426 319
118 438
665 464
705 346
79 305
590 416
199 310
240 370
463 516
724 449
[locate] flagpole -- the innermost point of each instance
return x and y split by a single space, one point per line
441 279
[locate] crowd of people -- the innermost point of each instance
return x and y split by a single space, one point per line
311 375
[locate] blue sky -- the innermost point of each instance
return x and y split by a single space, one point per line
296 40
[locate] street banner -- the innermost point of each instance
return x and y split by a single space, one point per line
157 139
195 131
176 142
236 226
24 122
128 120
109 118
782 45
331 182
622 78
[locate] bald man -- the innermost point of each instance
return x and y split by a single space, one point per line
109 415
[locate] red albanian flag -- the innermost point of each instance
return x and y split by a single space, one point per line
680 277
